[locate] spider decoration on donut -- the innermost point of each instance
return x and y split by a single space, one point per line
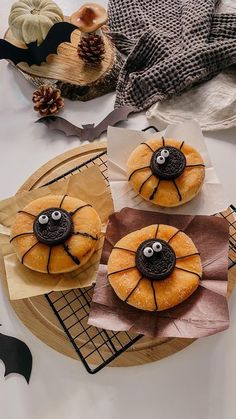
154 268
166 172
55 234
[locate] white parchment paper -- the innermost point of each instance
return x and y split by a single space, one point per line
121 142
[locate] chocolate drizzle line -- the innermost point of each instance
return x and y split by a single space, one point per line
28 213
85 235
191 272
21 234
136 170
122 248
163 141
178 231
122 270
176 187
157 231
49 257
195 165
62 200
150 148
136 286
22 259
79 208
74 258
187 256
181 145
155 190
144 182
154 295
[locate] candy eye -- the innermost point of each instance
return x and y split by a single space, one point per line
165 153
148 252
43 219
161 160
56 215
157 247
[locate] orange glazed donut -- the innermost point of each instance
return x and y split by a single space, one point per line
166 172
154 268
55 234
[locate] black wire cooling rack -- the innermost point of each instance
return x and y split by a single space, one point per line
93 345
98 347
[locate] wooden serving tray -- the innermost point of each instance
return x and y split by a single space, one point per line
36 312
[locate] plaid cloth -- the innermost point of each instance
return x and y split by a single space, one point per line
170 45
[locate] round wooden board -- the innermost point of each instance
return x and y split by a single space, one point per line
38 316
76 80
65 65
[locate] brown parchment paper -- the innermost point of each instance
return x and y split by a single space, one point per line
88 186
203 314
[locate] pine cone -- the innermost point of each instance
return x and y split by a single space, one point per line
91 49
47 100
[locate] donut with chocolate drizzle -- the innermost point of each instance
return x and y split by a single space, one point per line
55 234
154 268
166 172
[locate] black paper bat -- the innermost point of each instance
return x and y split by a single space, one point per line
87 132
16 356
60 32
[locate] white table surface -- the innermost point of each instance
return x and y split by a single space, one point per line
198 382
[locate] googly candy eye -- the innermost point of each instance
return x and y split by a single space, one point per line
43 219
56 215
165 153
161 160
148 252
157 247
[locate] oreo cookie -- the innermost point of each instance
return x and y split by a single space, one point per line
155 259
53 226
169 167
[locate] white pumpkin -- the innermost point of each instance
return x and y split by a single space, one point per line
30 20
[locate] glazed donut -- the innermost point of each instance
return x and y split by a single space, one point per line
55 234
166 172
154 268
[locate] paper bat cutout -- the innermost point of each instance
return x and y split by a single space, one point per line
60 32
16 356
87 132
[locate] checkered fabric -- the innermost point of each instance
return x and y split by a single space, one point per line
169 46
